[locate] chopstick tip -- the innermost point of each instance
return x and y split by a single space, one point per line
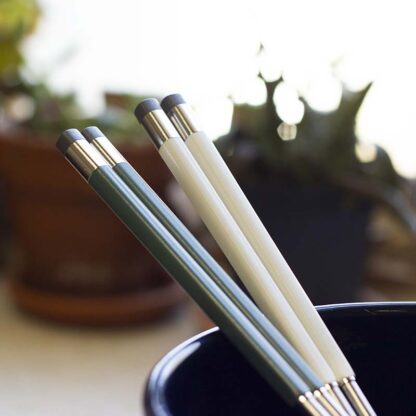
145 107
171 101
91 133
67 138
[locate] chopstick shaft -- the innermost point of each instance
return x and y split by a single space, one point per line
178 262
229 236
181 233
221 178
218 173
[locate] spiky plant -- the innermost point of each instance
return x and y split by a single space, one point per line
323 151
34 106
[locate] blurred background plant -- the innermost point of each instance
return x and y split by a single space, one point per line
34 106
307 174
46 209
321 148
18 19
309 171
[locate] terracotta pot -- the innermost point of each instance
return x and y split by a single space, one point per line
67 243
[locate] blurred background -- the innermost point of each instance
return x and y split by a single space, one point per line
310 103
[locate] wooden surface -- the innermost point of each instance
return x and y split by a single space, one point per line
51 370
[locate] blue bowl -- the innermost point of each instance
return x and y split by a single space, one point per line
208 376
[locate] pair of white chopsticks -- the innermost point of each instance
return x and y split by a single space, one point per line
205 178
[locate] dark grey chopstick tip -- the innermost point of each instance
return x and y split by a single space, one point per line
171 101
145 107
67 138
91 133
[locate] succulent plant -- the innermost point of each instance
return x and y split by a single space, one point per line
320 149
34 106
18 19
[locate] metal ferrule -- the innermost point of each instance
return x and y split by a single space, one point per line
335 391
311 405
85 158
108 150
159 128
331 405
184 120
356 397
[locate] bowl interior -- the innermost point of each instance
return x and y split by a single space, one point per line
208 376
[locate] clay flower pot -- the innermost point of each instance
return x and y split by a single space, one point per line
72 259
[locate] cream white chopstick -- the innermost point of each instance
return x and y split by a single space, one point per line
228 235
224 183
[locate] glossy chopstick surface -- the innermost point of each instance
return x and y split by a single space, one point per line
229 237
224 183
177 261
170 221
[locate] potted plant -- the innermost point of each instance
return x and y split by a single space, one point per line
312 190
71 259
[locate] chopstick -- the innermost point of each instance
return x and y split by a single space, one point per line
228 235
169 220
224 183
179 263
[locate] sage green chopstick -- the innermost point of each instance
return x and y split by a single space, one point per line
169 220
172 223
179 263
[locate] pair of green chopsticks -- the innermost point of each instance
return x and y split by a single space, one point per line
152 222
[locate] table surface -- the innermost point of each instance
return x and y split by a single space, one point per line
48 369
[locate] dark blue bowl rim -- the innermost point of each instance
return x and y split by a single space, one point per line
155 399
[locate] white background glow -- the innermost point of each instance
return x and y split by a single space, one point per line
207 52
